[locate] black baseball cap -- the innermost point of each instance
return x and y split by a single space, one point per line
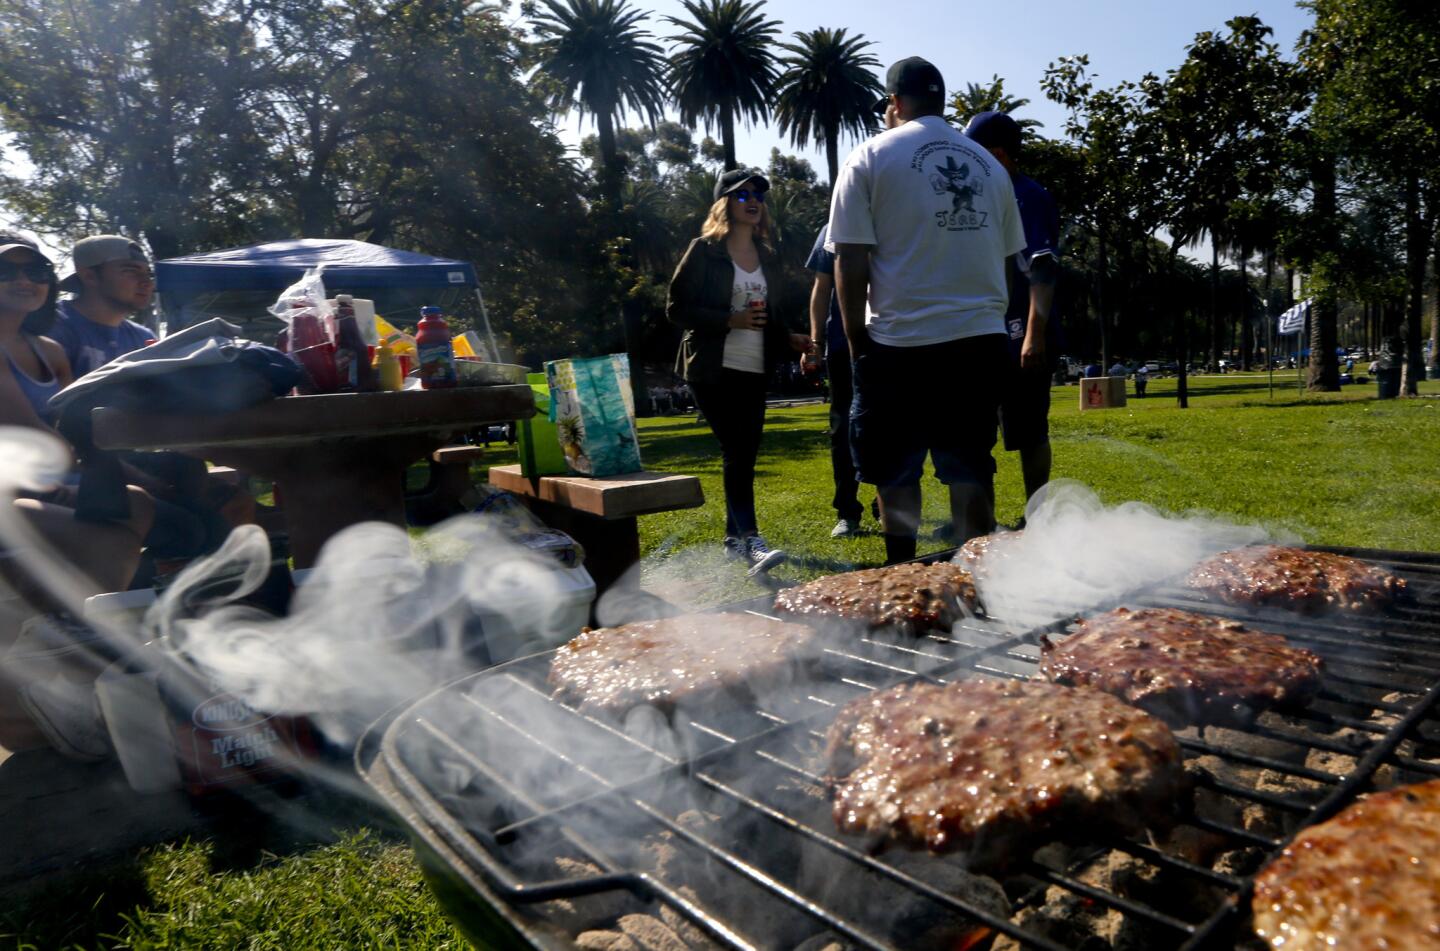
911 76
736 178
992 129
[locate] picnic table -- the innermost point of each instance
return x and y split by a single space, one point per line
601 512
338 458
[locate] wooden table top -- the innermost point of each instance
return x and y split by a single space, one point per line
611 497
298 420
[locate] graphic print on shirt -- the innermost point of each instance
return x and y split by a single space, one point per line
958 180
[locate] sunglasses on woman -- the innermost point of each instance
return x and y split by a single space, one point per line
743 195
36 272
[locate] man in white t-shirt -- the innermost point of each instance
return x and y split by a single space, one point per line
922 220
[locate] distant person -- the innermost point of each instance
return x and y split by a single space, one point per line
1118 369
111 282
827 327
721 295
1142 379
1092 369
1025 401
922 220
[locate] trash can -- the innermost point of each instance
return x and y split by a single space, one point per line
1387 381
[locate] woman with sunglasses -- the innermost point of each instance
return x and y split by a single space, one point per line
720 295
33 368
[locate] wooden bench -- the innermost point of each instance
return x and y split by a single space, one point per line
448 482
601 514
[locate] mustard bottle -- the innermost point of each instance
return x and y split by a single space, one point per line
389 367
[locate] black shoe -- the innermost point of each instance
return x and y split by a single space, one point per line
944 533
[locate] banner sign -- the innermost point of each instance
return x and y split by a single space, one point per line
1293 320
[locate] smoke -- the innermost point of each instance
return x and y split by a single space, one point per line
1076 553
374 624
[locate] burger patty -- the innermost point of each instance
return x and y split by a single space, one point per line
976 555
1295 578
919 597
671 660
1368 878
993 768
1185 668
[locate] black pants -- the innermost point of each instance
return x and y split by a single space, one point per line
842 466
734 406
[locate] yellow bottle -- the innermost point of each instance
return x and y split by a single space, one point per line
389 367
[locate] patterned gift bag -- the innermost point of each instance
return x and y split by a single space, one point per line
594 414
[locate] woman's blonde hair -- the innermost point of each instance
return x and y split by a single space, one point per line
717 223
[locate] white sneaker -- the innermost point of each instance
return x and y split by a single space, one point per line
69 715
760 555
845 528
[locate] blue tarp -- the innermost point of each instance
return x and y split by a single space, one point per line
278 264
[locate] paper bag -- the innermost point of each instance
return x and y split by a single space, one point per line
539 445
594 412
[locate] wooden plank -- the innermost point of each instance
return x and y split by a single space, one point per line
609 497
293 420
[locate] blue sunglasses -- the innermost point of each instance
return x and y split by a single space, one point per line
745 194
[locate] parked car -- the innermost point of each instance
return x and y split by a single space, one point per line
1152 366
1067 370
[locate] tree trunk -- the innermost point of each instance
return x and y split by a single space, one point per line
609 158
1182 343
1324 371
1214 303
1435 314
1247 336
1417 246
1100 277
832 155
727 133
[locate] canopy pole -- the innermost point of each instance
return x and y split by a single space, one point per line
494 355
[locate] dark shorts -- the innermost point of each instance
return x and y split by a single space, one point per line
939 399
1025 407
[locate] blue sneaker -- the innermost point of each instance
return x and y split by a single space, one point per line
760 555
735 548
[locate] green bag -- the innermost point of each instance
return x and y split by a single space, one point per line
591 403
539 438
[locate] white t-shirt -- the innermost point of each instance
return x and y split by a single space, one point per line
941 216
745 349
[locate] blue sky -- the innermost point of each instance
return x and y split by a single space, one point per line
970 43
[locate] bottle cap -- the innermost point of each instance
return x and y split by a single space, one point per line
344 299
429 311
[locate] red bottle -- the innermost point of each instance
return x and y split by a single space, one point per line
352 354
434 350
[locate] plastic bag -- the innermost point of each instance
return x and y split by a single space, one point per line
309 335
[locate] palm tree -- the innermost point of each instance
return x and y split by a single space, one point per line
598 59
722 65
828 89
976 98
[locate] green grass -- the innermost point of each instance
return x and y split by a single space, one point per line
1342 469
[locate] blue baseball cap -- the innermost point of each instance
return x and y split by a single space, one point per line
992 129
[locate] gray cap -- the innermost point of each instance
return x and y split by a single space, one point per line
101 249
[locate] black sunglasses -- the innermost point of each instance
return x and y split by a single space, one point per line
37 272
745 194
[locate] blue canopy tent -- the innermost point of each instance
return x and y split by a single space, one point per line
240 283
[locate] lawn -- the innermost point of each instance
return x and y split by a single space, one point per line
1342 469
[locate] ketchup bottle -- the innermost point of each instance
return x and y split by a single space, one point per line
352 355
434 350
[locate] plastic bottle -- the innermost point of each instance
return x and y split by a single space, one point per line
434 350
387 368
352 354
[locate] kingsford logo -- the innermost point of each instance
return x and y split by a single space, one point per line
224 713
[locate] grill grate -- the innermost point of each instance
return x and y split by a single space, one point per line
504 783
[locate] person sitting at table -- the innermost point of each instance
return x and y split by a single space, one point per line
102 555
112 282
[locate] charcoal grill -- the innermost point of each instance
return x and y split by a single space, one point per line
720 822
